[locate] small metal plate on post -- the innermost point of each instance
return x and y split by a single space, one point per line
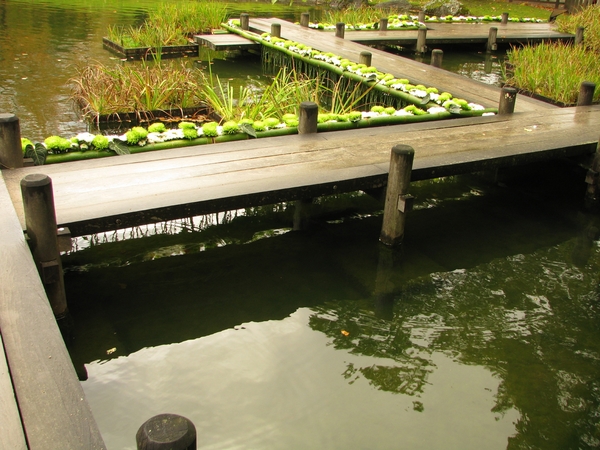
50 272
405 202
591 177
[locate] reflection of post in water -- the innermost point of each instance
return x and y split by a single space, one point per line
585 242
384 286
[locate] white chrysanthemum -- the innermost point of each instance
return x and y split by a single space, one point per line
402 112
488 114
418 93
436 110
476 107
85 137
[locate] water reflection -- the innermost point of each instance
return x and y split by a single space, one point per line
256 386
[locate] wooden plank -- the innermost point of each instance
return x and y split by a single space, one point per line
11 428
123 191
417 73
51 401
220 42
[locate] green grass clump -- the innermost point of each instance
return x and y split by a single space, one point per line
554 70
588 18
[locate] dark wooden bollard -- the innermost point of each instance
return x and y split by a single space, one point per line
508 97
245 21
586 93
40 222
504 20
11 155
340 29
579 36
421 46
437 56
397 200
365 58
492 46
421 16
167 432
276 30
383 24
304 19
307 119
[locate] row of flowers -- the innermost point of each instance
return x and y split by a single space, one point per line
158 132
405 21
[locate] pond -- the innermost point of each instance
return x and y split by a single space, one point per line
484 332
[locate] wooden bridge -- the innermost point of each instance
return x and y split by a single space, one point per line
42 403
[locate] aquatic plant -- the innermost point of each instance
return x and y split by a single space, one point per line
553 70
102 90
589 18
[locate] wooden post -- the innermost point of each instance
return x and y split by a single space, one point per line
40 222
579 36
508 97
492 36
586 93
304 19
301 214
365 58
307 119
167 432
397 200
383 24
421 16
437 56
421 40
340 29
245 21
384 287
592 179
276 30
504 20
11 155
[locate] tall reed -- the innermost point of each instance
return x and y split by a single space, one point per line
589 18
102 90
554 70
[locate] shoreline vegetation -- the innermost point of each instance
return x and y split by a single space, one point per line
347 89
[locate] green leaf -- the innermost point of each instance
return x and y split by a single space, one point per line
425 99
119 148
454 109
37 153
247 128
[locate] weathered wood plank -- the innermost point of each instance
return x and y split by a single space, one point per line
126 190
51 401
220 42
11 428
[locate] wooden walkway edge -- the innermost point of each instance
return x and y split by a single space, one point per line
42 404
123 191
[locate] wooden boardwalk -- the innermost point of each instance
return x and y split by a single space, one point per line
417 73
118 192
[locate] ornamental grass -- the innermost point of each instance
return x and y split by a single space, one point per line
589 19
101 90
554 70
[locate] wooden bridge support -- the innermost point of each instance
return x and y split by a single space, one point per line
437 55
40 222
276 30
383 24
508 98
592 179
421 16
340 29
586 93
11 155
308 118
384 286
579 36
397 200
302 214
492 46
365 58
167 432
304 19
504 19
245 21
421 46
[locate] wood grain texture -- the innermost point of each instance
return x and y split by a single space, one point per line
54 411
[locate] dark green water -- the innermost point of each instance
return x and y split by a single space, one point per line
483 333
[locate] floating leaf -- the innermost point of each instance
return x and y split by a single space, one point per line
248 129
425 100
454 109
37 153
119 148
